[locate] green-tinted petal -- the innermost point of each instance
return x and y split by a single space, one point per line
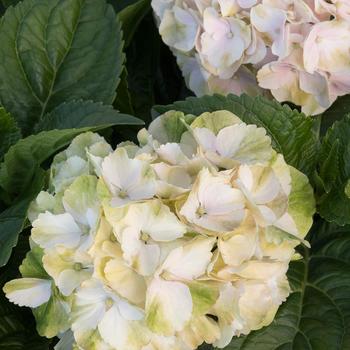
32 265
65 172
204 296
215 121
81 143
44 201
170 126
52 317
31 292
80 199
90 340
168 307
246 144
301 202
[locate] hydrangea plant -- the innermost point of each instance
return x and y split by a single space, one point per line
183 239
296 49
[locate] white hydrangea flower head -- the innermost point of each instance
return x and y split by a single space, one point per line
296 49
183 239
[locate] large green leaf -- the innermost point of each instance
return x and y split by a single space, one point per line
131 16
291 132
82 114
334 171
54 51
316 316
9 132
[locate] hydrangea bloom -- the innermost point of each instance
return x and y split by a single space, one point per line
296 49
183 239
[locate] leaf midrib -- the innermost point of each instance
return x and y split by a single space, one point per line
44 104
304 285
55 70
20 24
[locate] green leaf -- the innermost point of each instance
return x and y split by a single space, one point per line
289 130
337 111
316 316
121 4
9 132
13 219
329 169
334 165
142 60
131 16
10 271
123 100
82 114
7 3
54 51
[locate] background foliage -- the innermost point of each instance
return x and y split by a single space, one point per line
70 66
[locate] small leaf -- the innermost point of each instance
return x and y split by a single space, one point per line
131 16
121 4
337 111
54 51
9 132
12 220
291 132
334 165
123 100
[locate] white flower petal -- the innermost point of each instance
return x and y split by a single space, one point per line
191 260
121 333
31 292
50 230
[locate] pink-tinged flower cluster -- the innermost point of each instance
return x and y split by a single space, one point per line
299 50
